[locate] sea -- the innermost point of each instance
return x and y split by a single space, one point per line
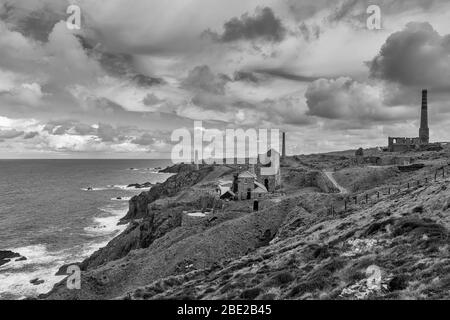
55 212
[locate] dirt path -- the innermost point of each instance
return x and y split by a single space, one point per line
329 174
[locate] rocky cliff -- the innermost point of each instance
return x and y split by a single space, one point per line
138 235
402 242
138 205
293 248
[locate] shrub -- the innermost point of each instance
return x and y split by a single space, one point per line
250 294
398 283
283 278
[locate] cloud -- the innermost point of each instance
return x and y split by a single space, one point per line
416 56
71 127
262 25
34 19
151 100
245 76
354 11
309 32
201 78
285 74
10 134
144 140
346 99
288 110
106 132
30 135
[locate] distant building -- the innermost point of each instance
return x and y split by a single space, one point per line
401 144
259 179
246 185
259 191
270 174
359 156
228 195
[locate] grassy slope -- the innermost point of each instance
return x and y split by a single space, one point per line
406 236
314 255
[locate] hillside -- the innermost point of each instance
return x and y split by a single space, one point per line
295 247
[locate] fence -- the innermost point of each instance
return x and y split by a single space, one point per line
349 202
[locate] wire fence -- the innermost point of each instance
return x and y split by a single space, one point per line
350 202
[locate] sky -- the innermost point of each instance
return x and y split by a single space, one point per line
138 70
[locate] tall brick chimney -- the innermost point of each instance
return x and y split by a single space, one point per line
424 131
283 155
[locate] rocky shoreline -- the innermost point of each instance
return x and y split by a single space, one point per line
7 256
294 247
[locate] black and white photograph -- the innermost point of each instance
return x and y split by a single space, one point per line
251 152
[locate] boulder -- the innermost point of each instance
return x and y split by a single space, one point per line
63 270
7 255
140 186
37 281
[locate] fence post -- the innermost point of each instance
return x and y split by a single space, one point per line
389 190
356 199
345 204
408 185
378 195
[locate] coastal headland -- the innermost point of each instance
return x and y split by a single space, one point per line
335 223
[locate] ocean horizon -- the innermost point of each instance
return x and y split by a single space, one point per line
59 211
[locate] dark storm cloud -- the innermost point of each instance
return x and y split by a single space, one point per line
286 110
30 135
203 79
309 32
147 81
120 65
416 56
262 25
10 134
151 100
34 19
346 99
245 76
282 73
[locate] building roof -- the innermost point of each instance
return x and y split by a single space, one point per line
224 189
261 186
247 174
260 190
229 193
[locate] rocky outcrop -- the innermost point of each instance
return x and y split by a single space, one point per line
6 256
138 235
37 281
180 250
185 179
140 185
179 168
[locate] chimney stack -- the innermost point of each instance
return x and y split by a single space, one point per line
424 131
283 155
